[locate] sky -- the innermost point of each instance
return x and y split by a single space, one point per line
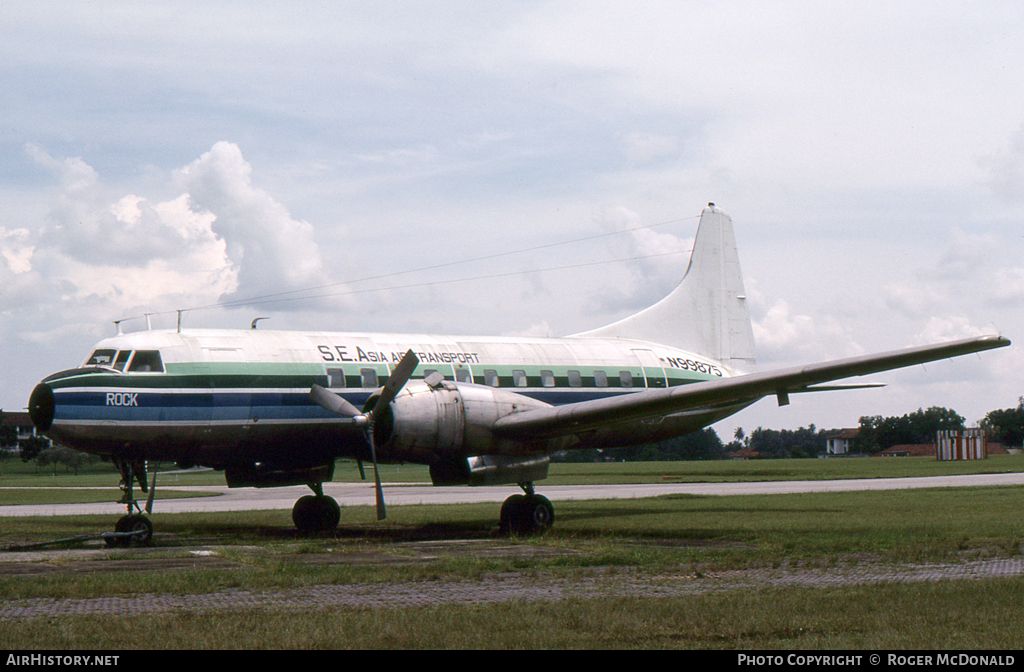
157 157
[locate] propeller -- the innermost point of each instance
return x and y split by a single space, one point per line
152 493
329 401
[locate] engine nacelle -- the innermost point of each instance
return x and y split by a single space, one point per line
489 470
260 475
451 420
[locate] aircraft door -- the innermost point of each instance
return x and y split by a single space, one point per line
230 384
654 370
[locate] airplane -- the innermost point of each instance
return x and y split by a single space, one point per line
278 408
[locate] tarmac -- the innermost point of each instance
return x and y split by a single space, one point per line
362 493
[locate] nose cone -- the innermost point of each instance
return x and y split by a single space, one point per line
41 407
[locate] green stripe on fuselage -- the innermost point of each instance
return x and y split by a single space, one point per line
292 375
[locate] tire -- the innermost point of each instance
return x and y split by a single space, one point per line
538 514
313 514
133 523
510 513
524 515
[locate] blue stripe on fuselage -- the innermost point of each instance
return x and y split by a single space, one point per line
232 405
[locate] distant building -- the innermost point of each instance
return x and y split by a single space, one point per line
967 444
22 424
909 450
841 442
747 453
997 449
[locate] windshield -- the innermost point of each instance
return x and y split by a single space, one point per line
147 360
101 358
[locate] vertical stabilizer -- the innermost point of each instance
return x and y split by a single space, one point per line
707 312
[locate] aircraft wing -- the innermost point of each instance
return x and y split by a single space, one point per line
588 415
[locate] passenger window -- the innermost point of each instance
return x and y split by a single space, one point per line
462 376
547 378
101 358
600 379
336 378
491 377
147 360
575 379
122 359
369 377
625 379
519 378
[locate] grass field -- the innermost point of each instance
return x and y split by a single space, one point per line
944 616
664 536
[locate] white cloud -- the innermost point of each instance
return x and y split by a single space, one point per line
952 328
976 270
782 337
657 263
107 256
272 251
1009 287
16 250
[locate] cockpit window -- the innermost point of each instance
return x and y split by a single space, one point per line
147 360
101 358
122 359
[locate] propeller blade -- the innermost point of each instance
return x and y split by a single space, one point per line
334 403
152 493
382 512
399 377
362 474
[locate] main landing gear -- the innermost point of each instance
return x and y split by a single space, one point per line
528 513
316 512
134 529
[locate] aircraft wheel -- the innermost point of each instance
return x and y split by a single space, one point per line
315 513
527 514
133 523
510 513
538 514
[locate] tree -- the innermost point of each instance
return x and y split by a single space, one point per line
49 457
31 447
803 442
878 433
1006 426
700 445
8 435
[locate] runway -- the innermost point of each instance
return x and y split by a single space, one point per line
362 494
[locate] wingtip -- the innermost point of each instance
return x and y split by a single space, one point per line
997 340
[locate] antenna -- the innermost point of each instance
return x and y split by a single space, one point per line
179 320
255 320
117 323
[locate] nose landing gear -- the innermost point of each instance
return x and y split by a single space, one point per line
133 529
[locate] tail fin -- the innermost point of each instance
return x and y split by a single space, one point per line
706 313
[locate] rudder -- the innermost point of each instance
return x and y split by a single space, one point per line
707 312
